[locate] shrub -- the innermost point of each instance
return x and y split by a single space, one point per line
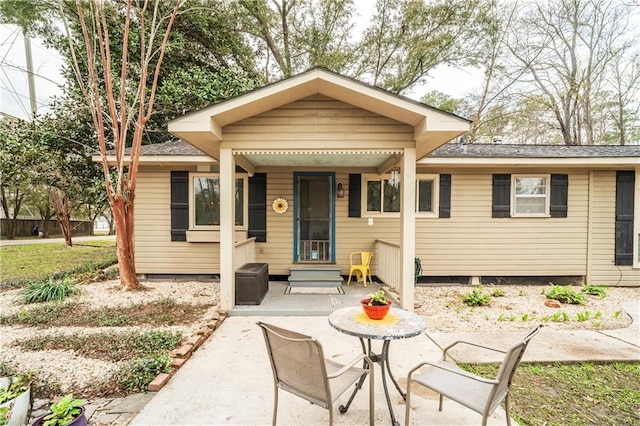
477 297
51 289
136 376
595 290
565 294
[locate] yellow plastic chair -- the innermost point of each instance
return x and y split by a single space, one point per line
361 269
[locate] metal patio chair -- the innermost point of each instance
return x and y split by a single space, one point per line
299 367
361 269
475 392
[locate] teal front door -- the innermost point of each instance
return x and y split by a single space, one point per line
314 225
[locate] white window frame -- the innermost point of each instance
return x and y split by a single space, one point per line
363 210
381 178
435 195
245 202
547 195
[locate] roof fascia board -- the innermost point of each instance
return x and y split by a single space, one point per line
159 159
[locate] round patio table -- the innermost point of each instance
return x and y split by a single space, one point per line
398 324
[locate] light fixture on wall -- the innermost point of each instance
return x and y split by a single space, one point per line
394 179
339 190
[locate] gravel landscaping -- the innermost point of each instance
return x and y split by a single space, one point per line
518 309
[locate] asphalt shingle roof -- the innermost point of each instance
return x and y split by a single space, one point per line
458 150
534 151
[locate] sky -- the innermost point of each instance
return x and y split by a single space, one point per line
14 89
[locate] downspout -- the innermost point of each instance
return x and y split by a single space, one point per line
590 201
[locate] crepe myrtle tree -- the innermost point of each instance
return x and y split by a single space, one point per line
116 105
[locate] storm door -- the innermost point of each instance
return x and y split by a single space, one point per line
314 225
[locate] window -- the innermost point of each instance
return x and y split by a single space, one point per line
530 195
382 197
427 195
205 206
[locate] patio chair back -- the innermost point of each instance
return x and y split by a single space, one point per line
298 364
507 370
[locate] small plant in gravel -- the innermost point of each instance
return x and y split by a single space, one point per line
595 290
497 292
564 294
49 290
617 314
476 297
559 317
504 317
136 375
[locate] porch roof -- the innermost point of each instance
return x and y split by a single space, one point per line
204 129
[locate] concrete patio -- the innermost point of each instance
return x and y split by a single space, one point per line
229 381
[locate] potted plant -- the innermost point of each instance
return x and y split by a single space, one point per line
376 305
15 400
66 412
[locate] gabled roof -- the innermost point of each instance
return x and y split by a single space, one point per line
432 127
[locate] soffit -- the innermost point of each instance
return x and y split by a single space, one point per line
318 158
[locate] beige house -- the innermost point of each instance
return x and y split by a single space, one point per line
309 169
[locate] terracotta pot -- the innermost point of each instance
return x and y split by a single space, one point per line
375 312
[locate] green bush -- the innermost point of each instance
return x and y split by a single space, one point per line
136 375
595 290
477 297
564 294
51 289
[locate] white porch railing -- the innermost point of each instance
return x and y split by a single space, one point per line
244 252
388 263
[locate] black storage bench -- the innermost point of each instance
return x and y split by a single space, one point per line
252 283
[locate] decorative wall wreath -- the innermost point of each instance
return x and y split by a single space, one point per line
280 205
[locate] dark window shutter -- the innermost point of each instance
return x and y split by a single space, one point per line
445 196
559 195
355 188
179 205
625 181
501 204
258 207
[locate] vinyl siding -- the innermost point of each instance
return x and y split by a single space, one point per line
602 268
155 252
471 242
319 122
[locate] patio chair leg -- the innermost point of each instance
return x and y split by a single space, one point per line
440 405
407 402
275 407
372 397
506 409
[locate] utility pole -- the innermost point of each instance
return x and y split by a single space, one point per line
30 76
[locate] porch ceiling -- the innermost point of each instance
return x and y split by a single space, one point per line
334 158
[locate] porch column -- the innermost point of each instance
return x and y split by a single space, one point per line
407 227
227 204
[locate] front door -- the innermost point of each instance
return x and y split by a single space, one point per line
314 225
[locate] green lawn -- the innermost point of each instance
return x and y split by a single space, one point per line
576 394
20 264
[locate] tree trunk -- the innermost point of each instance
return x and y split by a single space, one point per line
61 205
122 211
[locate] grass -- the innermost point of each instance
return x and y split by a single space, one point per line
114 347
66 314
573 394
39 262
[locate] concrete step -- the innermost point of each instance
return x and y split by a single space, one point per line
324 279
314 271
